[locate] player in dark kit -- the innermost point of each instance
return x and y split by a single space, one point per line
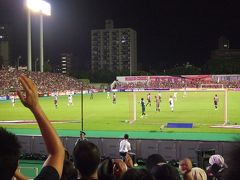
56 101
143 107
91 94
215 101
114 98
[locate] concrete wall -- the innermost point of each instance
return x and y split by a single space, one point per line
170 149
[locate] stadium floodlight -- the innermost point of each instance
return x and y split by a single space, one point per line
44 8
39 6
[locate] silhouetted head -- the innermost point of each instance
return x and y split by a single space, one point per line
9 154
86 157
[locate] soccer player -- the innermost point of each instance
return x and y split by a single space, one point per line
70 100
148 99
91 94
171 103
143 107
175 96
185 92
157 98
56 101
114 98
13 101
215 101
108 95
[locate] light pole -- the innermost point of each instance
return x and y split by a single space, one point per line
18 59
36 60
29 40
44 8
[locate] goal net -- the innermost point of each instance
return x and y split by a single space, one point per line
215 89
132 107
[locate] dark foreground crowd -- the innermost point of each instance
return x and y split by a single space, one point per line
87 163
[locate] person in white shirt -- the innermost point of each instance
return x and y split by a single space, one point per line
13 101
70 100
171 103
125 146
108 95
175 96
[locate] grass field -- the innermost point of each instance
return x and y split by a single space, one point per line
101 114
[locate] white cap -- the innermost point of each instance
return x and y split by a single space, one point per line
217 159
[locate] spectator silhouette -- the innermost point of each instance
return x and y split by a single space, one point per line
158 167
9 154
86 157
137 174
69 171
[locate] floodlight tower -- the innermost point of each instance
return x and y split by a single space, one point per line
44 8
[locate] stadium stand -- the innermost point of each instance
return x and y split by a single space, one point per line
46 82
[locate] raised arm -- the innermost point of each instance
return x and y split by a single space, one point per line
53 143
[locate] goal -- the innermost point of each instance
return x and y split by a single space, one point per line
223 90
132 107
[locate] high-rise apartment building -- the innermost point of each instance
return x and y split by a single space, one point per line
4 45
66 61
114 49
224 51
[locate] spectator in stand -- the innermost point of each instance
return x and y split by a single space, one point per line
233 161
137 174
191 173
111 169
69 171
158 167
86 157
216 167
105 170
185 167
9 151
9 154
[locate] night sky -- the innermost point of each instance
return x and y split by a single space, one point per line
168 32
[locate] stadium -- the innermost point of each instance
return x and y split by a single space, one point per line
194 129
119 90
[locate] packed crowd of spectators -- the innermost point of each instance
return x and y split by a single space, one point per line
45 81
55 82
170 84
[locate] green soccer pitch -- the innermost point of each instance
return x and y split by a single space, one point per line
101 114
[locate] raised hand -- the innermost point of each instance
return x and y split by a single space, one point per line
30 99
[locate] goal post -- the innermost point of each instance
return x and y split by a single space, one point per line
225 107
132 107
222 90
218 87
